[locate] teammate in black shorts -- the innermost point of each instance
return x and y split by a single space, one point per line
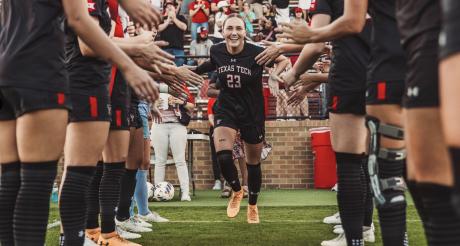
450 60
385 86
347 85
240 106
34 108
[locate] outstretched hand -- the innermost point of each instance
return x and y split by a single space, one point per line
295 33
271 52
142 13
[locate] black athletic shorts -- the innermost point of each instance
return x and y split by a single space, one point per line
385 92
350 103
135 119
119 101
449 40
94 106
14 101
422 79
250 133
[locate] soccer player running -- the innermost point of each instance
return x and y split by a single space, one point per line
385 87
34 111
346 103
240 106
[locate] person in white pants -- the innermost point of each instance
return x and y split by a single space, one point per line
169 132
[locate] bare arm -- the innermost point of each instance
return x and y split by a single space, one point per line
164 25
181 25
213 91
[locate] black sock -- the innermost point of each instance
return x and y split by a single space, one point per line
72 205
418 200
442 227
392 218
368 199
229 171
455 158
108 194
350 196
254 182
92 198
10 182
33 202
128 184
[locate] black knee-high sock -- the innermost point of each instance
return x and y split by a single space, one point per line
92 198
109 192
455 158
33 201
72 205
418 201
442 227
392 218
229 171
10 182
368 199
254 182
128 185
350 196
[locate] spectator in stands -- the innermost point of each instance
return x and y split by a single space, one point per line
299 17
282 10
172 30
200 47
248 17
222 14
267 31
268 12
199 12
233 8
170 133
257 7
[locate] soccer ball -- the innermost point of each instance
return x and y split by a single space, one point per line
150 191
163 191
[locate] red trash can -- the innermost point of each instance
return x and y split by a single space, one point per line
324 158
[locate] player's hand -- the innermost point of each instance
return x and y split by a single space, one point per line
273 84
305 80
185 73
152 56
289 78
271 52
131 29
297 97
143 85
142 13
156 115
295 33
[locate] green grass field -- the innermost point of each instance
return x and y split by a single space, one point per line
288 217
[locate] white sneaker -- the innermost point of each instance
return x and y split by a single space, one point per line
340 240
265 151
369 234
153 217
186 197
89 242
131 226
333 219
141 222
217 185
126 234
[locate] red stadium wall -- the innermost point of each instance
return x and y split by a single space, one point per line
289 166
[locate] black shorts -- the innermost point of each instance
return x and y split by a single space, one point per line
95 107
250 133
449 40
350 103
14 102
135 119
119 101
422 79
385 92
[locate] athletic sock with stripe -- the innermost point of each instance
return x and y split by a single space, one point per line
10 182
92 198
33 202
109 192
72 205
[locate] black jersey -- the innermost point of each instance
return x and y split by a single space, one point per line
86 72
350 54
387 57
32 45
241 83
420 21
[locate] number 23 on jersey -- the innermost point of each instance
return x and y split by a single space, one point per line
233 81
